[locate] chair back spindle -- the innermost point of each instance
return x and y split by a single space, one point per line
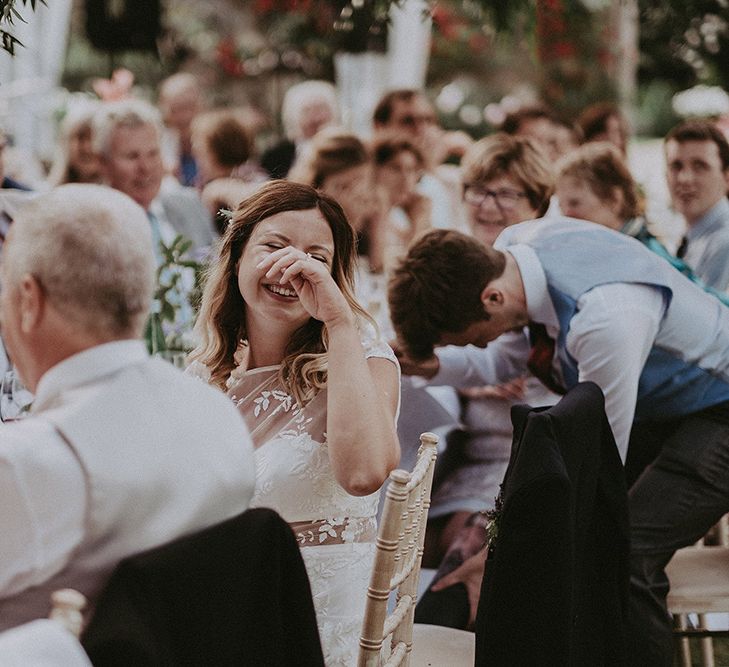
67 605
397 561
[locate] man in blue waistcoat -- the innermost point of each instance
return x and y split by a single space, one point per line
573 302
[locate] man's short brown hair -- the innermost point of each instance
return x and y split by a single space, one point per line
698 129
437 287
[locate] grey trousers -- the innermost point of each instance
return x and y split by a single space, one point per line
672 504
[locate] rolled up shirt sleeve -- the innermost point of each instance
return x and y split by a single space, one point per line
610 338
504 359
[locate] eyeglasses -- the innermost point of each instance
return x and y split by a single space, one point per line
505 199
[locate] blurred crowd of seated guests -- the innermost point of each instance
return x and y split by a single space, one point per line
184 162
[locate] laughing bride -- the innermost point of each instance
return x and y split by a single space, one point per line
282 334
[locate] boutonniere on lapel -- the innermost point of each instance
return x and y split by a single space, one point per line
493 518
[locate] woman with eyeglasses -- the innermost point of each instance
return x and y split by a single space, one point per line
507 180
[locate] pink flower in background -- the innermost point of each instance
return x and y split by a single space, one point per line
119 87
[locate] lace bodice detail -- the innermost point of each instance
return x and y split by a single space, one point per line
293 473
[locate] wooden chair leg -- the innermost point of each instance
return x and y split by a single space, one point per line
707 645
683 648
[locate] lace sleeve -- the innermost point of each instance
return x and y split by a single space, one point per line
374 345
198 370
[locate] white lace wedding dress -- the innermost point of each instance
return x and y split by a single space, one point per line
336 531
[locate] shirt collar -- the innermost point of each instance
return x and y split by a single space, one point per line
86 367
714 218
539 304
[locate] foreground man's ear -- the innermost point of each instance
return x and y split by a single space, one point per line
32 299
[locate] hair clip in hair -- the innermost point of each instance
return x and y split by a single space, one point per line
225 215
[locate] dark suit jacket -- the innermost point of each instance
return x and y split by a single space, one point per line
555 586
234 594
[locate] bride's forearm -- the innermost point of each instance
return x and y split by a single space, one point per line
362 399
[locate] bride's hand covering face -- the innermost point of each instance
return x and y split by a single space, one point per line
283 223
309 276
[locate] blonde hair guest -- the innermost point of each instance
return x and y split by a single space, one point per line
75 160
281 332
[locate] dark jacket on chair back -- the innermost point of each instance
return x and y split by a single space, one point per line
234 594
556 580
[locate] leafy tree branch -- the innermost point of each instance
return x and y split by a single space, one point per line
9 16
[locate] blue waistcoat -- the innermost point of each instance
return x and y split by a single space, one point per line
687 369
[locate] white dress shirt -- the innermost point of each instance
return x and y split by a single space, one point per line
42 512
609 337
120 453
41 643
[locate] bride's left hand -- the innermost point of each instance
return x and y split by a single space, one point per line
311 279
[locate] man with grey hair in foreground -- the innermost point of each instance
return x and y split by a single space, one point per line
120 452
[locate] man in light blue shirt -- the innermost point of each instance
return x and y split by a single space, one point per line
697 158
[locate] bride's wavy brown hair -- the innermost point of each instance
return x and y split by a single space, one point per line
220 324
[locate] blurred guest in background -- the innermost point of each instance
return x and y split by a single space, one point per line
126 137
604 121
179 102
538 123
223 148
697 160
506 179
340 165
409 112
75 160
399 165
567 136
222 196
594 184
307 107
